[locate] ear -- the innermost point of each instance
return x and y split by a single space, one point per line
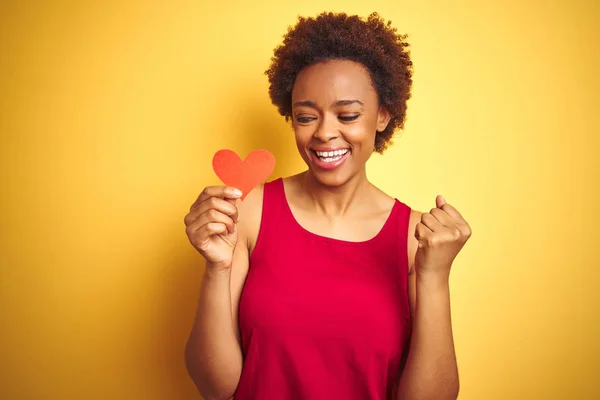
383 119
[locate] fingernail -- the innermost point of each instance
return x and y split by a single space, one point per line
236 192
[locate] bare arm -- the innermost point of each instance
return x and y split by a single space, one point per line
213 352
431 370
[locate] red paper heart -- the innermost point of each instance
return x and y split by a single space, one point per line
243 175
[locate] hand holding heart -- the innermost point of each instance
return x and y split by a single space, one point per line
442 232
211 224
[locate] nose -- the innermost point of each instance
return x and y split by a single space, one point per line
326 129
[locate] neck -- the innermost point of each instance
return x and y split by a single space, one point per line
335 201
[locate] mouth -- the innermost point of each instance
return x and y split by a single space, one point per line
329 159
331 156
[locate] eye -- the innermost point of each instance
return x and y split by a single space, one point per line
304 119
348 118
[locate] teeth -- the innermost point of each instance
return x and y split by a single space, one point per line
328 154
331 156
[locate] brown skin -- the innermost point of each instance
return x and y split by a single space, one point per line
341 204
370 41
322 119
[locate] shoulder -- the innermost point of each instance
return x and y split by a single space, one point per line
250 215
415 218
384 199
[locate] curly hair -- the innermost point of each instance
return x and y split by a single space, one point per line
371 42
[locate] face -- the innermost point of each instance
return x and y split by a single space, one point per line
336 114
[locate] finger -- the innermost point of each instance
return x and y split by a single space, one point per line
234 216
212 216
439 201
453 212
217 191
422 232
442 216
226 206
209 230
431 222
216 203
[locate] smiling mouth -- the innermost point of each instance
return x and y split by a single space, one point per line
331 156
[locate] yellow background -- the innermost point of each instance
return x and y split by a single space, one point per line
110 113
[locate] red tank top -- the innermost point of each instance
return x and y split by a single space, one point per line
322 318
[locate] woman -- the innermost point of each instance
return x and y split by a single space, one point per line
320 285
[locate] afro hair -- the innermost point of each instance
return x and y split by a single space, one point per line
371 42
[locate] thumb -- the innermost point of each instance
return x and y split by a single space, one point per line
439 201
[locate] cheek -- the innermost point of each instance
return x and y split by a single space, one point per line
303 135
362 135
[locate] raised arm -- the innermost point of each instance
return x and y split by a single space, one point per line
431 370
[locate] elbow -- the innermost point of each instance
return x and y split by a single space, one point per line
453 388
208 394
455 392
211 391
440 391
448 389
433 395
449 392
216 396
209 386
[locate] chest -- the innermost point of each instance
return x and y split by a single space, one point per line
357 228
326 292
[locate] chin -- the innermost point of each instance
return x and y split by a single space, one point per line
330 180
333 179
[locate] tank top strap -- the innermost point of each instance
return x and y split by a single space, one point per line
402 221
273 219
273 199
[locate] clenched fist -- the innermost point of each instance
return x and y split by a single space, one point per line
211 225
441 233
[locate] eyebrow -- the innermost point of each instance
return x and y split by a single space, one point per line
338 103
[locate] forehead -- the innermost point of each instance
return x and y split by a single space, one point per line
333 80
